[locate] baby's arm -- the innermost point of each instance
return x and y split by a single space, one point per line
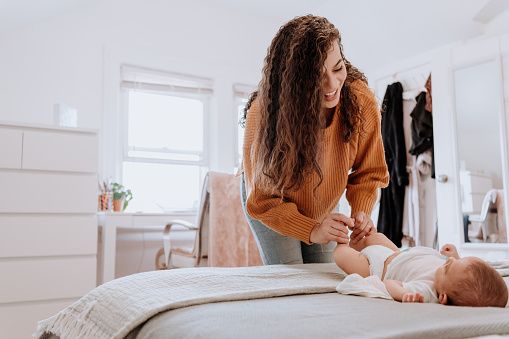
398 293
449 250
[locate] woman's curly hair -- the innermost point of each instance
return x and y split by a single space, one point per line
290 100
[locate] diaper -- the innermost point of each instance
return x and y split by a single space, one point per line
376 255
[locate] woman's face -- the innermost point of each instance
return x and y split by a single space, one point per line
335 75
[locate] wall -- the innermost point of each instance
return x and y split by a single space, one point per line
62 60
74 58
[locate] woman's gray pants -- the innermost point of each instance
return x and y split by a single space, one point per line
277 249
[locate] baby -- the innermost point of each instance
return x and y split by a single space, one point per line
419 274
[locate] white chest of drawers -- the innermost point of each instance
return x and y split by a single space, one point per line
474 187
48 223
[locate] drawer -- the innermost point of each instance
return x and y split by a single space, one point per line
20 320
60 151
32 192
10 148
39 235
31 279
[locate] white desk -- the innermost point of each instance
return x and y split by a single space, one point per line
109 222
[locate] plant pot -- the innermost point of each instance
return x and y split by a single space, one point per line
117 205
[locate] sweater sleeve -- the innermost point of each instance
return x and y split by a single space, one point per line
369 170
280 215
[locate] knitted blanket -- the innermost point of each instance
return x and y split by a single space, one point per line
115 308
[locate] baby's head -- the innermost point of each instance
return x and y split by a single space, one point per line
470 281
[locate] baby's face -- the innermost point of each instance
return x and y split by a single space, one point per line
451 271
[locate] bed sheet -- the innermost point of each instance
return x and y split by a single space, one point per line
261 301
328 315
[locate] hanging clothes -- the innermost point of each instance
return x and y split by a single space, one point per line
390 217
415 200
428 106
411 214
422 130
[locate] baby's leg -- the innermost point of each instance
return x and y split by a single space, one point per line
374 239
350 260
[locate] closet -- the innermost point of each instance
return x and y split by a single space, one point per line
419 210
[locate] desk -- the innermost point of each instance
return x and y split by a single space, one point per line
109 222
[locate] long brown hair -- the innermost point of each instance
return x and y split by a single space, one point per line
290 99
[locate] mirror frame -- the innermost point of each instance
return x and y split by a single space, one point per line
503 149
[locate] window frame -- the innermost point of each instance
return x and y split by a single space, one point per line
205 97
125 131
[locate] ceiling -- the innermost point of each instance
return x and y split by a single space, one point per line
374 32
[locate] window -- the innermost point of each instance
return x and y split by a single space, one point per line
241 95
164 156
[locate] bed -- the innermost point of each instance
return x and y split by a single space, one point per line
280 301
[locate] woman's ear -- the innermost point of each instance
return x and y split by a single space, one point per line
442 298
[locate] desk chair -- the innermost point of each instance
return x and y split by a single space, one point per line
223 236
197 255
489 234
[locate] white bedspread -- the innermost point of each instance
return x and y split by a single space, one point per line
113 309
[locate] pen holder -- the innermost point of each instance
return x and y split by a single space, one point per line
105 201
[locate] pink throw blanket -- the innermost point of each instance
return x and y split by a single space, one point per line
231 242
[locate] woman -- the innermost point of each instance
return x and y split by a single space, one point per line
312 130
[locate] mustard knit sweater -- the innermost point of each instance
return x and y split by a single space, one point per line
302 210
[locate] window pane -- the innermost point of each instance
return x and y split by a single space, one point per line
157 121
161 187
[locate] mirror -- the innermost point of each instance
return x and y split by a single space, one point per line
481 152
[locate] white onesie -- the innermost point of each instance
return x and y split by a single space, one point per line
416 268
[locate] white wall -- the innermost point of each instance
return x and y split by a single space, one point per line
75 58
64 60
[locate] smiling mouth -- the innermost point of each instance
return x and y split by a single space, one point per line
331 95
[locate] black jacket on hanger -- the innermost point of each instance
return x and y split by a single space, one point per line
422 130
390 217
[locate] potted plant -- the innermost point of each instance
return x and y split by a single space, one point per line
121 197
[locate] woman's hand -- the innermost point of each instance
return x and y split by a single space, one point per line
449 250
332 228
363 226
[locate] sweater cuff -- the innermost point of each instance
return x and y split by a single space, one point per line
363 203
300 227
